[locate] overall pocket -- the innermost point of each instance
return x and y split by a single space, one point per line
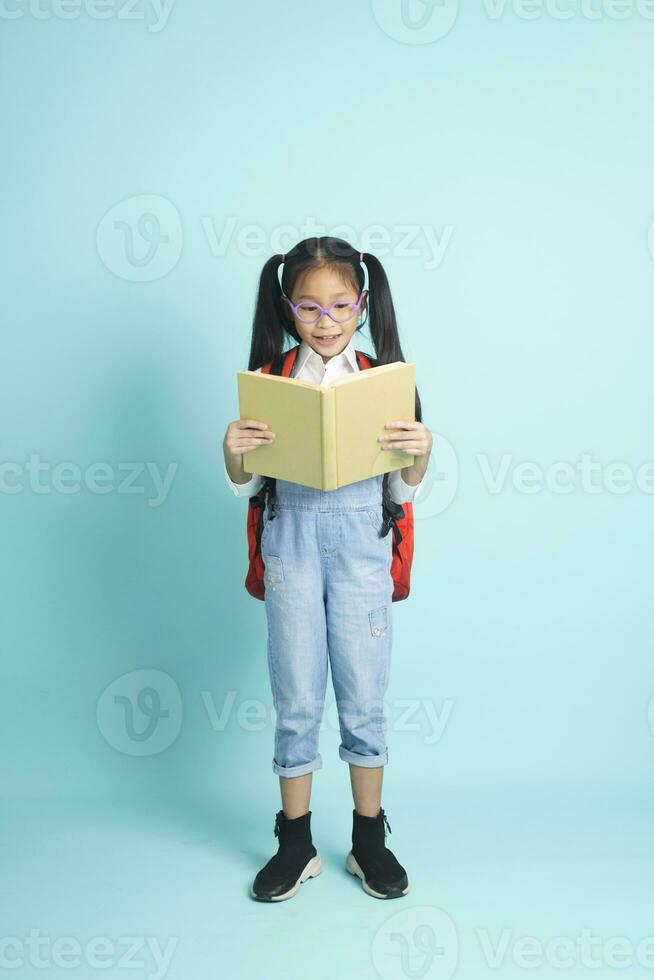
378 620
273 573
376 517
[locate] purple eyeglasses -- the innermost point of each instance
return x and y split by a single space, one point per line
308 311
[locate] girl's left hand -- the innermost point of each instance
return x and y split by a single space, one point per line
411 437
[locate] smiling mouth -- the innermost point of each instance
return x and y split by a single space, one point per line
327 336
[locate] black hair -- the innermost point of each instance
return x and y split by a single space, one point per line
271 325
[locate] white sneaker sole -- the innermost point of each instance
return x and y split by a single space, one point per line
313 868
354 869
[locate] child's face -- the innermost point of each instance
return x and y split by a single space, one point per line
326 286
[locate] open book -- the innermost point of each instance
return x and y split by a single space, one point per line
327 437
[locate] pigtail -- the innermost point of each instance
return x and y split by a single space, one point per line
383 322
268 331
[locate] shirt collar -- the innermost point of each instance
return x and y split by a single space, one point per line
306 351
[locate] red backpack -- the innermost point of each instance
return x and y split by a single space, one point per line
399 517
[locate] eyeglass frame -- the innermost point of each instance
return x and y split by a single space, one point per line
324 311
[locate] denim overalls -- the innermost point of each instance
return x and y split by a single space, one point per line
328 595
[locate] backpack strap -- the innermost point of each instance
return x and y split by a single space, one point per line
364 360
391 511
281 364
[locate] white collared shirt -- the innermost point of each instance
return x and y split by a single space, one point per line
309 366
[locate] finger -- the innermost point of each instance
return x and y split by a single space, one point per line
399 437
402 424
244 435
247 449
406 447
249 443
250 424
403 442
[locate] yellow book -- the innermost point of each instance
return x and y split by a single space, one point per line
327 436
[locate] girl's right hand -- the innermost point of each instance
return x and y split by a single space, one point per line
242 435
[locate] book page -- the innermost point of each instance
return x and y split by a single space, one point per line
365 402
294 415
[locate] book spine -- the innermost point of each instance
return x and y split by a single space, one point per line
328 439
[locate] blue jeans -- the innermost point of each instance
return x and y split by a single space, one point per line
328 595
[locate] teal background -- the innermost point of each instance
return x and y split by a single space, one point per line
528 631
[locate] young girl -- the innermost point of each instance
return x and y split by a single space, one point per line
328 587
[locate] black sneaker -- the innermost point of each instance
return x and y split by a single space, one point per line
295 861
380 872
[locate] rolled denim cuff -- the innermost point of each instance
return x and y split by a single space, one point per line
302 770
367 761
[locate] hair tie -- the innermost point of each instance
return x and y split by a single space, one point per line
361 257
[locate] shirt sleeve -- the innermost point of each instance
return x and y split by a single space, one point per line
401 491
244 489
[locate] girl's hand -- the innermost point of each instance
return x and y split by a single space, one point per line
241 436
411 437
